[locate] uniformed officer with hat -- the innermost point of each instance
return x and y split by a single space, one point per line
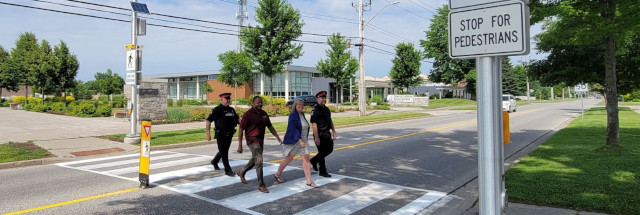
226 120
322 127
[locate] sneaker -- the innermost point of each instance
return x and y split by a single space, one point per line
325 175
263 189
230 174
215 166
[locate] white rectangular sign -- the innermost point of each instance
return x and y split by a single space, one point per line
491 30
132 60
581 88
131 78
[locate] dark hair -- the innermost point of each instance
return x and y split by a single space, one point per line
254 99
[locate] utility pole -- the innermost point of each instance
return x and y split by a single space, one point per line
241 16
362 102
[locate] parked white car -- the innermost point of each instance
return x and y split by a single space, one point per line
509 103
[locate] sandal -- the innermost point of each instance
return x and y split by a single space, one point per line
279 179
312 185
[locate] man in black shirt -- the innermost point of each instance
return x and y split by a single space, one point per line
322 125
225 119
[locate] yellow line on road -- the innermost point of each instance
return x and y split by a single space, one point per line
72 201
405 135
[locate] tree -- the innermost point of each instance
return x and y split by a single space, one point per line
8 76
339 65
108 83
24 59
270 43
436 46
81 90
574 27
45 77
405 72
471 78
67 66
236 69
510 80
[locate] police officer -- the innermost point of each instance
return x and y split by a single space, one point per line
322 127
225 119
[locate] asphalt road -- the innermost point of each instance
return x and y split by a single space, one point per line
403 167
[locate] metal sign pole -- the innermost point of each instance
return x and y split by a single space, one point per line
489 135
582 109
134 88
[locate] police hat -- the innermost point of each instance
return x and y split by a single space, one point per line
225 95
321 94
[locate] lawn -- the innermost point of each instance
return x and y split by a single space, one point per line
21 151
441 103
574 168
194 135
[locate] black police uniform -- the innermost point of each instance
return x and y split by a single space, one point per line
321 115
225 119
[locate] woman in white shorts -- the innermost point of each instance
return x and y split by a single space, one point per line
295 142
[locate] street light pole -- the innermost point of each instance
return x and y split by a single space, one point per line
362 102
134 88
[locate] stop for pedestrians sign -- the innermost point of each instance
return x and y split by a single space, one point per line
581 87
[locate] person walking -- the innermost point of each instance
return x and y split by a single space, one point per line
225 119
254 122
295 142
322 126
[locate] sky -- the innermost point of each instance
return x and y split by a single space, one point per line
99 44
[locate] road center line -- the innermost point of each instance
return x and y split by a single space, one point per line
73 201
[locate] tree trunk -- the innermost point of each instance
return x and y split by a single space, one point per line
271 90
43 96
26 94
613 125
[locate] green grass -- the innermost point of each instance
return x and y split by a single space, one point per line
21 151
441 103
574 168
194 135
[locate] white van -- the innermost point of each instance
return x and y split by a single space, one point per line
509 103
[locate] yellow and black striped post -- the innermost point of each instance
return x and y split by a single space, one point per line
145 152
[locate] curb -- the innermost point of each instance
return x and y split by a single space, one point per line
25 163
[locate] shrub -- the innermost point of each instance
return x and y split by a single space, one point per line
104 110
241 101
335 110
308 109
241 111
57 99
58 107
169 102
118 102
270 109
40 108
4 103
103 98
381 107
180 103
199 113
178 115
283 110
635 100
265 99
29 106
19 99
278 101
84 109
70 99
375 99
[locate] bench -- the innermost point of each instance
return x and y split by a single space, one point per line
120 113
15 106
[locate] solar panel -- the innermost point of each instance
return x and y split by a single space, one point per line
139 7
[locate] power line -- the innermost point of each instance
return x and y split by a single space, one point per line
430 11
151 24
430 5
407 10
75 6
395 36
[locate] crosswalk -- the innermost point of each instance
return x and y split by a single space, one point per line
192 175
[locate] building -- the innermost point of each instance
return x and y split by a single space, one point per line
295 81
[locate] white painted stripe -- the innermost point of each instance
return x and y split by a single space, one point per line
420 203
354 201
107 158
221 181
157 165
209 200
189 171
278 191
136 160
